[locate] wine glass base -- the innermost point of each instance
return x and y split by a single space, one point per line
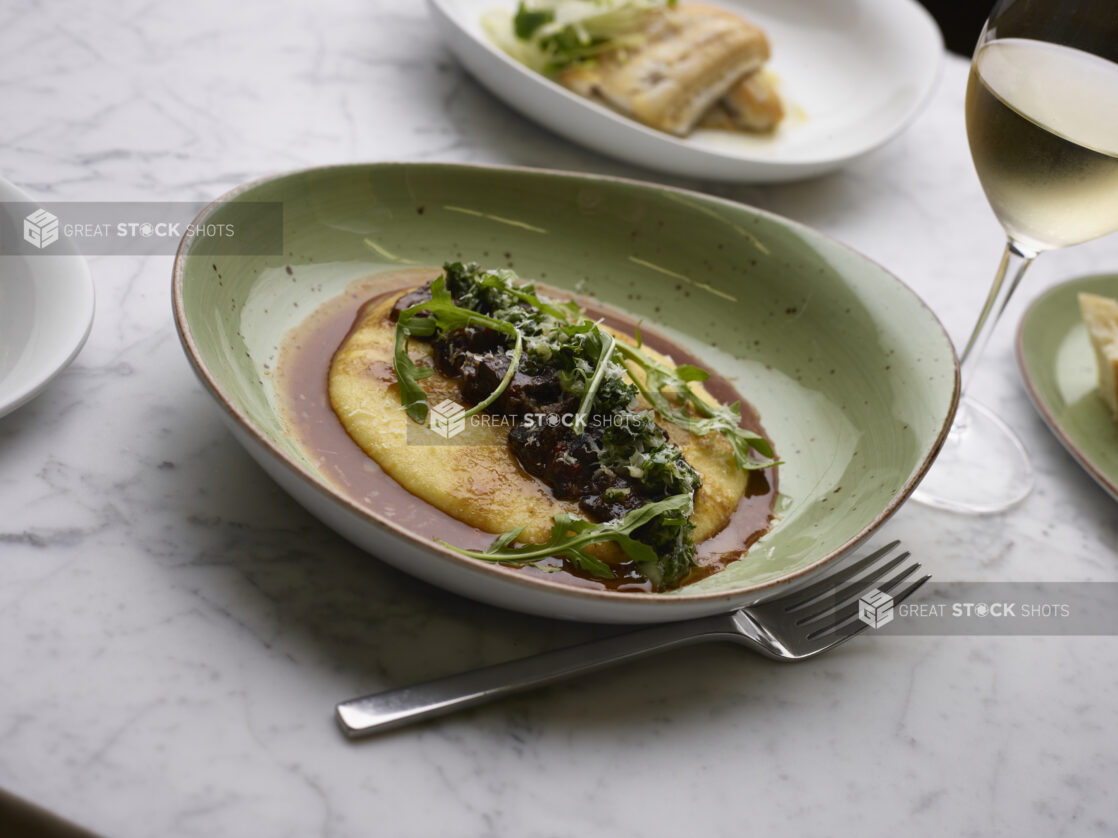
982 468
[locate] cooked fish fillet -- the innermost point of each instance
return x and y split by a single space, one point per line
752 104
693 54
478 480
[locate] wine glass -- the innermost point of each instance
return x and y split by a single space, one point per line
1042 121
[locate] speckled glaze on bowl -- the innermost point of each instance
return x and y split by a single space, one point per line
854 377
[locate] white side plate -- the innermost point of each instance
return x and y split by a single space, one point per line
46 311
853 74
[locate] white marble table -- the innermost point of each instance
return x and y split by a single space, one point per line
174 631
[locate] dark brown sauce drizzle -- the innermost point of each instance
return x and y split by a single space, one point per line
303 372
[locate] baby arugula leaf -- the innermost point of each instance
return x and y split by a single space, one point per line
605 357
751 450
409 374
571 536
514 362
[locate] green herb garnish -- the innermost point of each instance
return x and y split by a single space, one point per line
725 419
424 320
604 358
551 35
627 468
571 536
528 21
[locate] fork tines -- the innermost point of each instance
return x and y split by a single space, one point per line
835 599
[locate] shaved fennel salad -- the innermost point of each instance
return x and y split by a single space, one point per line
550 35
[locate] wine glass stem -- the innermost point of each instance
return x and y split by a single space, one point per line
1015 261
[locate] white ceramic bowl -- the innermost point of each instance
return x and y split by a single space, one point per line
46 308
853 74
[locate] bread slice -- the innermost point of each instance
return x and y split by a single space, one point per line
1101 317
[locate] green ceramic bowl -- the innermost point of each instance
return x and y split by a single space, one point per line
854 377
1059 368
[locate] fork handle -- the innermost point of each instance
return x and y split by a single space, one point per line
375 713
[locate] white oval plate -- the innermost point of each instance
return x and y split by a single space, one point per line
853 74
46 311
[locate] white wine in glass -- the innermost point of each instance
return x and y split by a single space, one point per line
1044 141
1042 121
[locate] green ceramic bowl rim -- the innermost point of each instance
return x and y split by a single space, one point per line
1054 424
447 555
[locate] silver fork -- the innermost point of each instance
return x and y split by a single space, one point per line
798 625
